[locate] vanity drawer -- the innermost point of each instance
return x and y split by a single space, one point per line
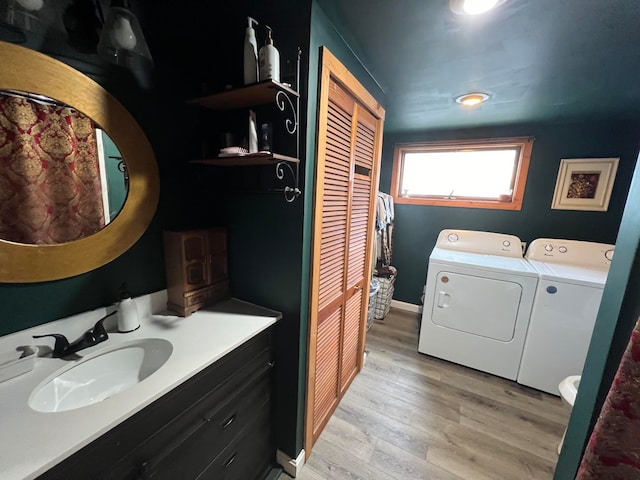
185 447
249 457
163 425
191 457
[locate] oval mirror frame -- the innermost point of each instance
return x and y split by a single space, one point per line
24 69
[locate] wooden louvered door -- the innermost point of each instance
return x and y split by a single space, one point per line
359 234
348 157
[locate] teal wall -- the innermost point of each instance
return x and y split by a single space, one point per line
417 226
619 310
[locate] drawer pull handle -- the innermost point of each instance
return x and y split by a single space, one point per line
228 421
142 471
230 461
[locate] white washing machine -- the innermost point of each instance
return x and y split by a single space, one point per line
572 276
478 299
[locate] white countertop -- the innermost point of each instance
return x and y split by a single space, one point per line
32 442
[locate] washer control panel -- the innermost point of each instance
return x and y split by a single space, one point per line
571 252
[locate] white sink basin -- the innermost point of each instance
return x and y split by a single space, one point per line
100 376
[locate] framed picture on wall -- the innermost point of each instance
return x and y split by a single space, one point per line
585 184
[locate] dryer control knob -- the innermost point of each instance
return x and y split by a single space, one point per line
609 254
562 249
453 237
506 243
548 248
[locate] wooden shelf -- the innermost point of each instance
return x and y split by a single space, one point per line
247 160
260 93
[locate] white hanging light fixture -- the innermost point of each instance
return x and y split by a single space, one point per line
121 41
473 7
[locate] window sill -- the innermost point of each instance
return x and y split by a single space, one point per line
444 202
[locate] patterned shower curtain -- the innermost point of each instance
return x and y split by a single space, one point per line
613 451
50 189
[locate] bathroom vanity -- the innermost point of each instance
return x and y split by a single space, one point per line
205 413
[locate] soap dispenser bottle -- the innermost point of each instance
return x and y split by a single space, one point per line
250 53
128 320
269 59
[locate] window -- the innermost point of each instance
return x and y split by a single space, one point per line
469 173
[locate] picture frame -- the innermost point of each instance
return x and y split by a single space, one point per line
585 184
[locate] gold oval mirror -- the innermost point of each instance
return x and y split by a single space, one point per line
26 70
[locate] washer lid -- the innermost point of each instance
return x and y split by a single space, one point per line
492 263
590 277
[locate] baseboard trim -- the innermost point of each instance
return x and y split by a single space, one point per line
405 306
290 465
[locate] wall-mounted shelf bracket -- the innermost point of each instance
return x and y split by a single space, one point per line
290 193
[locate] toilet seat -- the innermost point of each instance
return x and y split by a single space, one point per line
569 389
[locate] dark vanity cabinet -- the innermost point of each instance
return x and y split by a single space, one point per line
217 425
196 267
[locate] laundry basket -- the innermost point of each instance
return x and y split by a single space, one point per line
373 291
385 293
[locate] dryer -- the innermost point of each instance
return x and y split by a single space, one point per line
478 298
572 275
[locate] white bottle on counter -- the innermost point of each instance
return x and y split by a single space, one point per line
269 60
128 319
250 53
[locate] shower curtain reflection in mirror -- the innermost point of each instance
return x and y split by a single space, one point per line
50 176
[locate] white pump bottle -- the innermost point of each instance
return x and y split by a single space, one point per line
250 53
128 319
269 59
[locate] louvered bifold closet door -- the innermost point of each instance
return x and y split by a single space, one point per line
333 261
349 144
359 234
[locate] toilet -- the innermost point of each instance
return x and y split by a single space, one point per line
568 391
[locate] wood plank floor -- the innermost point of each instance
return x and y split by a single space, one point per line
411 416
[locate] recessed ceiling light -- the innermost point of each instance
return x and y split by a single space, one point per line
472 99
473 7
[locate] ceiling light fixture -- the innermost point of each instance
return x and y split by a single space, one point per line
472 99
473 7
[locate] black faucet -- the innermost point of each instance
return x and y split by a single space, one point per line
91 337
